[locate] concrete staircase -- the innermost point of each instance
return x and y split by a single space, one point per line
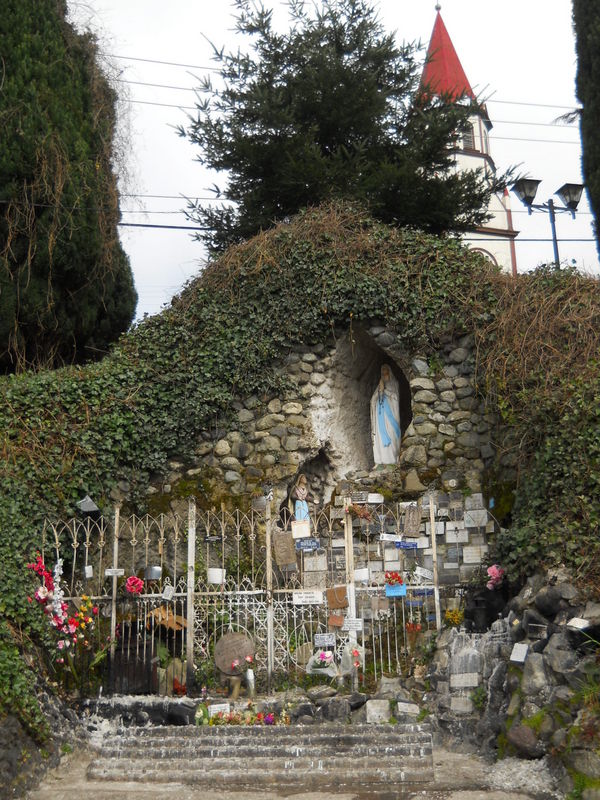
334 757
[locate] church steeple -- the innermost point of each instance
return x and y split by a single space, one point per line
443 73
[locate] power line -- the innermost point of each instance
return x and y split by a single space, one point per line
165 63
170 227
496 122
462 239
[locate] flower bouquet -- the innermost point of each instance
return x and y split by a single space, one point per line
394 585
74 632
322 663
495 575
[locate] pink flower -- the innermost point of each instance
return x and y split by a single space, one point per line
249 659
60 661
357 663
60 644
235 663
495 574
95 610
134 585
41 593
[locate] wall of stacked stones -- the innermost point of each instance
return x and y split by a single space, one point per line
320 425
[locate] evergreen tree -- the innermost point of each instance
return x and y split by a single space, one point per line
66 287
586 17
332 108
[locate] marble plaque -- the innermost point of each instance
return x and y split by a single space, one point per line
439 528
314 580
476 518
474 555
461 705
407 708
519 653
315 562
378 711
460 536
464 680
474 502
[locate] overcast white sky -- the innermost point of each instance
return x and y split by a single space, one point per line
520 54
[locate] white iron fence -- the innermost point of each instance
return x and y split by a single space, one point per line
220 572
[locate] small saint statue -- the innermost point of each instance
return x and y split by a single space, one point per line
385 418
295 506
300 497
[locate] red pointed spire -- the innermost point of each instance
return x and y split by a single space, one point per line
443 73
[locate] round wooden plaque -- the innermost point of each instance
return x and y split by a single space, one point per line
233 647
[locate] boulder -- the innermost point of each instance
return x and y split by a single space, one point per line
336 709
585 761
535 677
525 742
547 601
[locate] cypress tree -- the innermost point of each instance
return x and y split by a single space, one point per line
66 287
586 18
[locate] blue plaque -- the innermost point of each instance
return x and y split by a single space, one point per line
395 590
406 545
307 545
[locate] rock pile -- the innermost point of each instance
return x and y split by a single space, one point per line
530 686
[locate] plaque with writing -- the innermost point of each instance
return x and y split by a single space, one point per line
390 537
324 639
306 598
283 549
351 624
359 497
114 572
218 708
424 573
307 545
412 520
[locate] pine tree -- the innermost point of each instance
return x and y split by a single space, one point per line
586 18
332 108
66 287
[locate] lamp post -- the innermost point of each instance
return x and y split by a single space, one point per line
569 193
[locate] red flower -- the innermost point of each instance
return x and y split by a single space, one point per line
393 578
134 585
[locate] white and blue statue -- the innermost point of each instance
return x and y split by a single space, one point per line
385 418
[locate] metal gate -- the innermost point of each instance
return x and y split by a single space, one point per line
218 572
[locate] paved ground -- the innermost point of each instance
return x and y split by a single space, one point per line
457 777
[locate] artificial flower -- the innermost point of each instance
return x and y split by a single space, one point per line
134 585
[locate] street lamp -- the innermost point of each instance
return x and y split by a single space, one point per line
569 193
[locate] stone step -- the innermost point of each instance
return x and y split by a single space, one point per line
292 758
290 773
314 750
292 732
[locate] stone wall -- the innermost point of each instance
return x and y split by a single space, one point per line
321 422
528 687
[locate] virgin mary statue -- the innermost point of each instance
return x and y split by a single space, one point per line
385 418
